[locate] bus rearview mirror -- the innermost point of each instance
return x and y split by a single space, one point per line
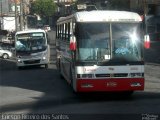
72 43
146 42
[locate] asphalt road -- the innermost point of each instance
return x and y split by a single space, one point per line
41 93
39 90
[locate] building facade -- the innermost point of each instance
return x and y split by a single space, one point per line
150 10
14 8
145 6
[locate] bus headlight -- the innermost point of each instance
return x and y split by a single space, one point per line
18 56
43 58
137 74
20 61
87 85
136 84
85 76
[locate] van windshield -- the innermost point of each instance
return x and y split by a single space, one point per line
30 42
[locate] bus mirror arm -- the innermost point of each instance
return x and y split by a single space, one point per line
73 44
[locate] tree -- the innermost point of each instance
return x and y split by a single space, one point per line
119 4
44 8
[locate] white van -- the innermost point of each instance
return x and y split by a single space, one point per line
32 48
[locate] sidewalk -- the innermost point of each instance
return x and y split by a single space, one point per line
18 101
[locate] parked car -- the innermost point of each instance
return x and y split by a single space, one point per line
7 46
47 28
5 54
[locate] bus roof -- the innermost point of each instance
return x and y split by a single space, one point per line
104 16
30 31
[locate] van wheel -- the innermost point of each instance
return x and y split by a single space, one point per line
46 66
20 68
5 56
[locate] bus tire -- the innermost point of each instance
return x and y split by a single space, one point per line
61 76
73 79
127 94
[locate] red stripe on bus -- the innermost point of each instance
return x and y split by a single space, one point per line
112 84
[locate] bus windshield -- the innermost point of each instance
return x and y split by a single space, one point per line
30 42
108 41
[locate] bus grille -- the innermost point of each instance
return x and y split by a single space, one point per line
102 75
31 61
112 75
121 75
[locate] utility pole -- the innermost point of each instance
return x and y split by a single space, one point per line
16 23
21 15
1 16
145 9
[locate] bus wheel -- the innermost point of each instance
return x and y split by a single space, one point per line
60 72
72 75
130 93
127 93
73 79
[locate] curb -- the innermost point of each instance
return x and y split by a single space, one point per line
155 64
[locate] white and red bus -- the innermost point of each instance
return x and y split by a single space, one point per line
101 51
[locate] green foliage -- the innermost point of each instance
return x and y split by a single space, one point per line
119 4
44 8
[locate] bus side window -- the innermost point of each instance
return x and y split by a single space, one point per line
57 30
68 31
63 32
59 33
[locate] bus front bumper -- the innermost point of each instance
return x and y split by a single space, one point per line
29 62
110 85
